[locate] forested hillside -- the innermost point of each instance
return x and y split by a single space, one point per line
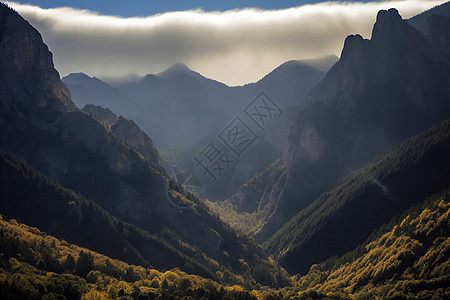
34 265
31 197
345 216
409 258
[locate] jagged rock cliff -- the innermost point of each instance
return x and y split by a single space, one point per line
31 75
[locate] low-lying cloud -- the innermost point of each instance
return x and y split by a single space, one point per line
234 47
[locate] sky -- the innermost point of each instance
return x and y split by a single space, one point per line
235 42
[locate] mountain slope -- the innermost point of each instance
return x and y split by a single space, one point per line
345 216
407 259
420 21
380 92
128 132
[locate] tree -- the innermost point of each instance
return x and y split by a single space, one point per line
85 264
69 264
164 284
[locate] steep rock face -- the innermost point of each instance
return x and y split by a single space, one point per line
30 68
381 91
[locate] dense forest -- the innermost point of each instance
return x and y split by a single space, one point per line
35 265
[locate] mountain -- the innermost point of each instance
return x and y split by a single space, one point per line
173 107
128 132
380 92
345 216
323 64
291 81
93 88
40 124
179 70
435 24
122 81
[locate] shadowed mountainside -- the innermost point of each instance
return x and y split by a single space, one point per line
345 216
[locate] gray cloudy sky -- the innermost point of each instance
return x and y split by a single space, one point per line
234 47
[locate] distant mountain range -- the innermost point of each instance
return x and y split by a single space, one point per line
173 107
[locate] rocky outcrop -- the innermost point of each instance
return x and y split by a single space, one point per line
381 91
128 131
100 113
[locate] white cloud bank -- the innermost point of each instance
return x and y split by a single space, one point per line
234 47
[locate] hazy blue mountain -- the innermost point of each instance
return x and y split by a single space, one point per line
183 111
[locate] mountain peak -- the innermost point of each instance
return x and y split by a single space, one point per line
388 23
176 70
74 78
